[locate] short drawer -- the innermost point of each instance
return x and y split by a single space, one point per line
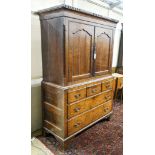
76 95
107 107
107 85
92 90
77 108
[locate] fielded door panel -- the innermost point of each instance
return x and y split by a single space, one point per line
103 50
80 53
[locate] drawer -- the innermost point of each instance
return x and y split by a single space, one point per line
97 113
107 85
76 95
107 107
77 108
78 123
76 88
92 90
107 96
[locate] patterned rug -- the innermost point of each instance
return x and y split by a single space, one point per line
104 138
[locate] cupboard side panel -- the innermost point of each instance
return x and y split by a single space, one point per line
52 31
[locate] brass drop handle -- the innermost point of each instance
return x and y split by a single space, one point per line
77 96
107 85
94 90
77 124
106 109
107 97
77 109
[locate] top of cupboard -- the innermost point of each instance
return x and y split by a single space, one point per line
44 12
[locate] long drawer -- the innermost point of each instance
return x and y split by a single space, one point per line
80 121
79 107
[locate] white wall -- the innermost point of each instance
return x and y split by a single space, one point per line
116 44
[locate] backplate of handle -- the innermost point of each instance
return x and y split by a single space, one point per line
77 124
76 109
77 96
94 90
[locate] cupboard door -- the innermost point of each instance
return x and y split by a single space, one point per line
103 50
80 54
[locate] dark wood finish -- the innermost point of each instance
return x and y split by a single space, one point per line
53 50
81 38
77 82
103 49
70 40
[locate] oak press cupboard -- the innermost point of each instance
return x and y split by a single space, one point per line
77 49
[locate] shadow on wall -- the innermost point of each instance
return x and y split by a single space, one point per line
36 108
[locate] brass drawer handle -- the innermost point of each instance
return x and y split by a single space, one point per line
94 90
106 97
106 109
77 124
77 109
77 96
107 85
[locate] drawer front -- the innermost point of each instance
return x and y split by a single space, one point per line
77 108
107 85
107 96
76 88
92 90
107 107
78 123
76 95
97 113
